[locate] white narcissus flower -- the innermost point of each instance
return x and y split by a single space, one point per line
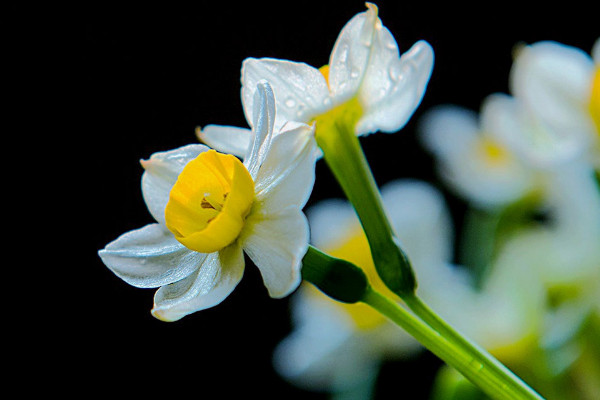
563 257
474 159
560 85
336 346
210 208
567 250
366 78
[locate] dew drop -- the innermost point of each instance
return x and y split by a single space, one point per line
395 71
289 102
342 53
391 44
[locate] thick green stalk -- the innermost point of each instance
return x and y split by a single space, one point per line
515 384
344 156
495 382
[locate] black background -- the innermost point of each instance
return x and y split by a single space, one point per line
147 76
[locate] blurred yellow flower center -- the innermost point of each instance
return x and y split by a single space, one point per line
209 202
595 100
493 152
343 116
355 248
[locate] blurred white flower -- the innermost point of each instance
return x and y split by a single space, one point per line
210 207
560 85
570 253
472 157
366 77
337 346
554 266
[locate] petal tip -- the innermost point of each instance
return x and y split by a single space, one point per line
160 315
371 7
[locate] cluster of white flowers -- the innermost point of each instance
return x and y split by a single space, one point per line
528 168
210 208
535 152
524 287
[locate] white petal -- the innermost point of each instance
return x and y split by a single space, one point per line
455 137
575 201
287 175
421 220
392 97
300 90
519 303
351 52
380 75
330 221
162 170
553 80
263 120
150 257
540 145
216 278
321 353
226 139
596 52
276 243
446 130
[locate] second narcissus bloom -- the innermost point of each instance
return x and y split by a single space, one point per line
473 157
210 208
560 85
366 81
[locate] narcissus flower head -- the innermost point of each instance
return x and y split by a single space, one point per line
473 156
210 208
366 85
560 85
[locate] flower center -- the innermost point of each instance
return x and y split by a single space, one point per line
209 202
493 152
344 116
595 100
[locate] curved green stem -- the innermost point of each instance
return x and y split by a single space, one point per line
498 383
344 156
486 359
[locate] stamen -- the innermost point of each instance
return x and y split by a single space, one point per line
210 201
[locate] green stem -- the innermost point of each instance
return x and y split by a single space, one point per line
344 156
346 282
438 345
512 383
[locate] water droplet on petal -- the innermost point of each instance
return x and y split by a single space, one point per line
342 53
289 102
395 71
355 73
